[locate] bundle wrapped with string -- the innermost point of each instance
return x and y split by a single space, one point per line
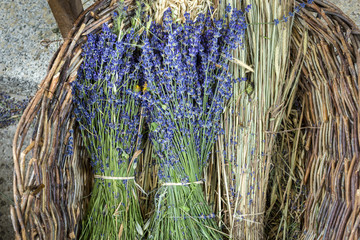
188 84
51 186
110 125
254 116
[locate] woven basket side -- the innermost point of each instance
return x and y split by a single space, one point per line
329 87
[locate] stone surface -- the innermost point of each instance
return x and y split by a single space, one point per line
350 7
23 25
23 64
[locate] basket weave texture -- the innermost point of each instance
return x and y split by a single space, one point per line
329 91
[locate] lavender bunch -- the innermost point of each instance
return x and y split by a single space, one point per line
188 85
110 121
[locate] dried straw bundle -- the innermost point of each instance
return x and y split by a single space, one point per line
286 195
219 179
254 116
329 91
179 8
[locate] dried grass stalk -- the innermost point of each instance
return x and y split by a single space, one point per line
254 116
286 192
179 8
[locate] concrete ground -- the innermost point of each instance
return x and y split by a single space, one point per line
25 29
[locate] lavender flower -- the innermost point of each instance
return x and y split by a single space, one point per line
110 119
188 85
292 14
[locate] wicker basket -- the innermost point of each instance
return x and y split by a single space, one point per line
330 89
51 188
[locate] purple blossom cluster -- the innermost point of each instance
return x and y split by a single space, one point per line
186 68
70 144
292 14
186 71
108 116
180 76
110 122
